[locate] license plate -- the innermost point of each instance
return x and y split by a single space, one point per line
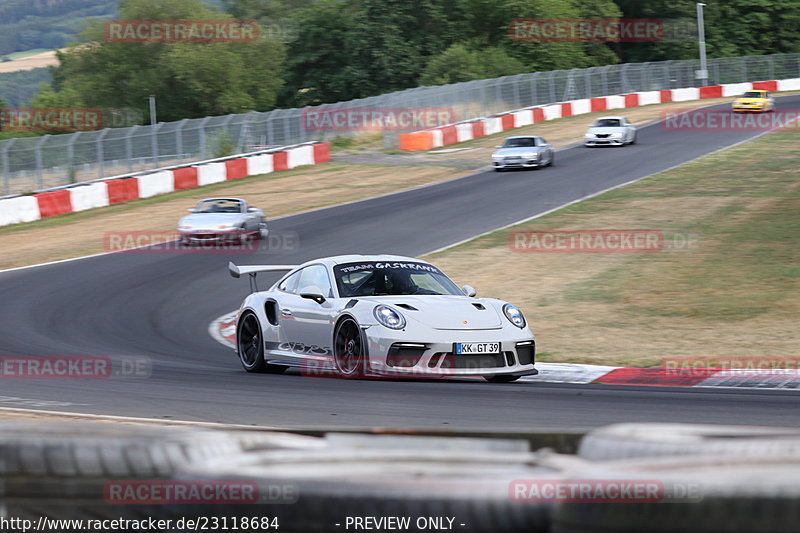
476 348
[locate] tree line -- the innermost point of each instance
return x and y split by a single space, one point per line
320 51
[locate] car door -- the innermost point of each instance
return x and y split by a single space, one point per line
630 131
546 149
306 323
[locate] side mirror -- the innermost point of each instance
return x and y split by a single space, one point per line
469 291
251 209
498 146
192 210
312 292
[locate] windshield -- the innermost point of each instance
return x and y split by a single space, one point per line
753 94
383 279
517 143
219 206
607 123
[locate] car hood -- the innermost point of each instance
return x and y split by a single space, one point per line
616 129
447 312
519 151
211 220
750 100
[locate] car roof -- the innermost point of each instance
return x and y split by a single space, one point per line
332 261
756 91
524 137
225 198
610 117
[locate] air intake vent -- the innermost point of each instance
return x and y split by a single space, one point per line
409 307
479 306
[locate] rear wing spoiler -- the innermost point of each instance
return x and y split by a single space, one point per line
253 270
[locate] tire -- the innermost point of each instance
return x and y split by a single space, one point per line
626 441
65 469
633 141
349 349
263 230
720 494
436 477
501 379
250 346
552 160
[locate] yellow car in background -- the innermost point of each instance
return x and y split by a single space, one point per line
754 102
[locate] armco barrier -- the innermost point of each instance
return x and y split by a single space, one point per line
184 178
116 190
259 164
155 183
211 173
19 209
304 155
54 203
236 168
466 131
122 190
89 196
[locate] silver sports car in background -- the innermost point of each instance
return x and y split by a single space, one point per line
523 151
379 315
610 131
222 219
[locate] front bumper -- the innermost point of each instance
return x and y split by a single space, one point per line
516 163
403 357
607 141
749 108
211 236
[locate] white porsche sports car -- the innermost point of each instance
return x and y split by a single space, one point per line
382 315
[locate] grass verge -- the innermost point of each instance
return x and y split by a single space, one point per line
727 286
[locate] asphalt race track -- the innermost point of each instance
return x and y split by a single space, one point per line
158 306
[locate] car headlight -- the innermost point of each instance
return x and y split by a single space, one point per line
388 317
514 315
616 135
589 135
497 157
532 155
184 227
226 226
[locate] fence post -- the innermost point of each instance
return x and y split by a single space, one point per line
179 138
7 166
129 146
203 143
39 170
101 156
154 143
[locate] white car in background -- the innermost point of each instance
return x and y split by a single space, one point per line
222 220
523 151
610 131
358 316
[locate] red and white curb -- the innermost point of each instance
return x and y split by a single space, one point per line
118 189
223 330
473 129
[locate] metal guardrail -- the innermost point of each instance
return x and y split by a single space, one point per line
35 163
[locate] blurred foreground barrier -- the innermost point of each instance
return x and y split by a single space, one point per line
691 494
86 469
625 441
428 483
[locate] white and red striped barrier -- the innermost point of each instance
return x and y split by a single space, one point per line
101 193
473 129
